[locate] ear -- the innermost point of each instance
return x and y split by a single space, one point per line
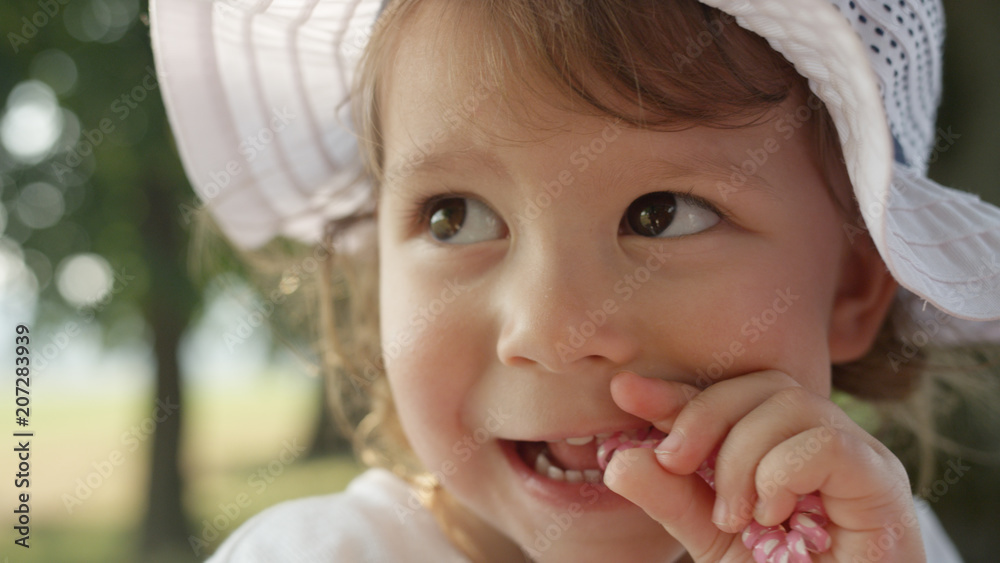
864 294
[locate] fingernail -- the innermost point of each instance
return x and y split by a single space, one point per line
720 513
670 444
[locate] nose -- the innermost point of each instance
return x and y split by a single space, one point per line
560 312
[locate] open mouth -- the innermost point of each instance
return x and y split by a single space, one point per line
583 459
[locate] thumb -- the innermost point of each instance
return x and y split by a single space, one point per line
682 504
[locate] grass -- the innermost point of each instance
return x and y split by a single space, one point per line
90 463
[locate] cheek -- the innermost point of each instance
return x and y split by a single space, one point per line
748 319
429 411
422 328
423 320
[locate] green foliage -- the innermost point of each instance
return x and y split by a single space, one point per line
116 101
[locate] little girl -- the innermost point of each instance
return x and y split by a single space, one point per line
672 224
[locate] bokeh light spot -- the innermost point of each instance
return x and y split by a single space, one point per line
55 68
32 122
83 279
40 205
100 20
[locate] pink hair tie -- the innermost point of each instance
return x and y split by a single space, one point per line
789 542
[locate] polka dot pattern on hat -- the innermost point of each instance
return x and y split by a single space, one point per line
904 40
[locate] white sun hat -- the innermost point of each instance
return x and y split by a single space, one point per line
257 93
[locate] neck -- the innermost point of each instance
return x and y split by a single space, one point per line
476 539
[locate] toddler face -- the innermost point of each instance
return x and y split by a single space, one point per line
529 253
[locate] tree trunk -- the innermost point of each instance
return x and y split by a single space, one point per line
165 527
171 302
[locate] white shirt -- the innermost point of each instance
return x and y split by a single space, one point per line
376 520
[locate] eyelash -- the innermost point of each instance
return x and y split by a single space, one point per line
420 213
702 203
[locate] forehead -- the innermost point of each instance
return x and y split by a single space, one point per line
447 73
445 99
596 60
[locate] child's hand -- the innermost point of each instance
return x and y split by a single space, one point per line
776 441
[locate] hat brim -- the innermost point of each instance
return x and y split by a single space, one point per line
257 96
937 242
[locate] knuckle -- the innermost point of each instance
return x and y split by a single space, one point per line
840 443
818 439
767 466
698 406
791 398
766 478
699 401
779 377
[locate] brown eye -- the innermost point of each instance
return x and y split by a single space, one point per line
447 217
460 220
651 214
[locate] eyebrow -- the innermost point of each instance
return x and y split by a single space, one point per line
705 171
419 163
649 170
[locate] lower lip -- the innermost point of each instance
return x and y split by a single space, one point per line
562 494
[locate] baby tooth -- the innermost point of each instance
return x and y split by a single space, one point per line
579 441
542 464
556 473
574 475
592 475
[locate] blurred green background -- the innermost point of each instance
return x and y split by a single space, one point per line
155 436
148 424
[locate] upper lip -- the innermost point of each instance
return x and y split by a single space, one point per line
562 435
